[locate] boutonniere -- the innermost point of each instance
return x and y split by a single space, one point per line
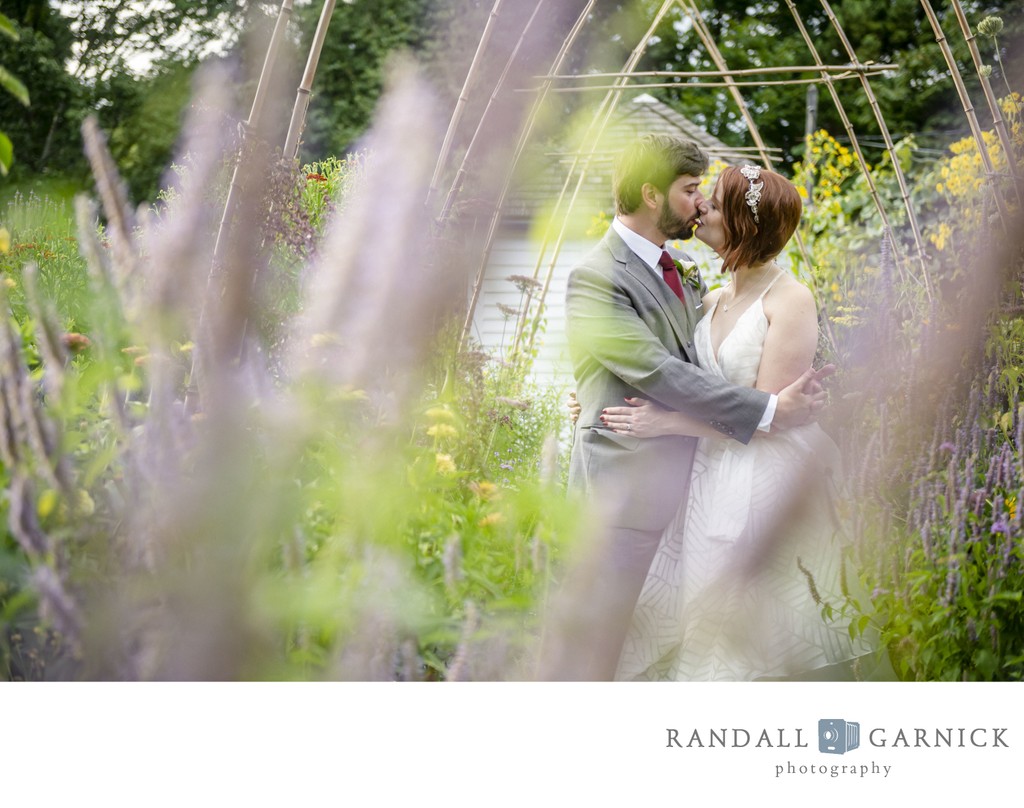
689 273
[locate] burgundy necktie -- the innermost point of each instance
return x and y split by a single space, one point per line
668 267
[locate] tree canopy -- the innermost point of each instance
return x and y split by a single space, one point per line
130 61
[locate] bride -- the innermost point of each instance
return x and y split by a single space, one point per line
748 582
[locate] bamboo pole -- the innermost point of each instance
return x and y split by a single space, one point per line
897 168
524 137
235 188
990 98
716 56
747 71
851 134
453 124
972 119
461 173
699 84
589 147
298 120
719 59
252 123
887 138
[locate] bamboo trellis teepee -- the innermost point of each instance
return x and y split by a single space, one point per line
912 267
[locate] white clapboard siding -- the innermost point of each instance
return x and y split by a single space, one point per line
495 332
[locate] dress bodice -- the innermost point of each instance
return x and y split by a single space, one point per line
739 354
744 585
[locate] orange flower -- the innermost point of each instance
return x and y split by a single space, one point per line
75 342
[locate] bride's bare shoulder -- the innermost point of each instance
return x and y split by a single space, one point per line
789 291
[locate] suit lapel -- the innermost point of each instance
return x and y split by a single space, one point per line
681 317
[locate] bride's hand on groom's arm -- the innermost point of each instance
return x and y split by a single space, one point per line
816 377
802 401
644 419
641 419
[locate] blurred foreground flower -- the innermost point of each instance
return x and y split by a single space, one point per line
444 463
75 342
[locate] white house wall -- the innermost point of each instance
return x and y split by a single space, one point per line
495 332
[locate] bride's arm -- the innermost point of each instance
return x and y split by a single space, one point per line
644 419
789 347
792 337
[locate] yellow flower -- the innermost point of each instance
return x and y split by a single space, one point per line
485 489
492 519
5 240
85 503
444 463
10 283
47 502
440 414
939 239
442 431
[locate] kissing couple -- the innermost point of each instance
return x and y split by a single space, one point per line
696 440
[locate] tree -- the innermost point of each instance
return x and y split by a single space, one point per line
35 131
350 76
113 35
919 98
80 58
13 86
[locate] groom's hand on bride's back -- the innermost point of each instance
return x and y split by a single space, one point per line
801 401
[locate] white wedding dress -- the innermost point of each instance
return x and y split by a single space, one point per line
748 579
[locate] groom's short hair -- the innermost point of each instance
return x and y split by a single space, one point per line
658 159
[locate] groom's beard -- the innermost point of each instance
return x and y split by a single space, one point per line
672 225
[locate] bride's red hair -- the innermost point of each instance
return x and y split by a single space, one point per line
748 243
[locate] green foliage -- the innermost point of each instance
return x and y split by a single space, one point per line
110 32
936 444
142 118
13 86
82 58
350 76
43 134
42 232
954 610
327 185
914 99
339 528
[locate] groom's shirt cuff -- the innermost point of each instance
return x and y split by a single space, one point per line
769 414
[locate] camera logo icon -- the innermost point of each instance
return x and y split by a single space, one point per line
837 737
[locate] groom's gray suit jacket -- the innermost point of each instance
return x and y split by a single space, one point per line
630 336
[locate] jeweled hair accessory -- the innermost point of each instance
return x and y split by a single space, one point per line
753 195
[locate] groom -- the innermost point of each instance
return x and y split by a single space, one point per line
631 334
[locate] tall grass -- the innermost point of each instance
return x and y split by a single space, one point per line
354 497
284 464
